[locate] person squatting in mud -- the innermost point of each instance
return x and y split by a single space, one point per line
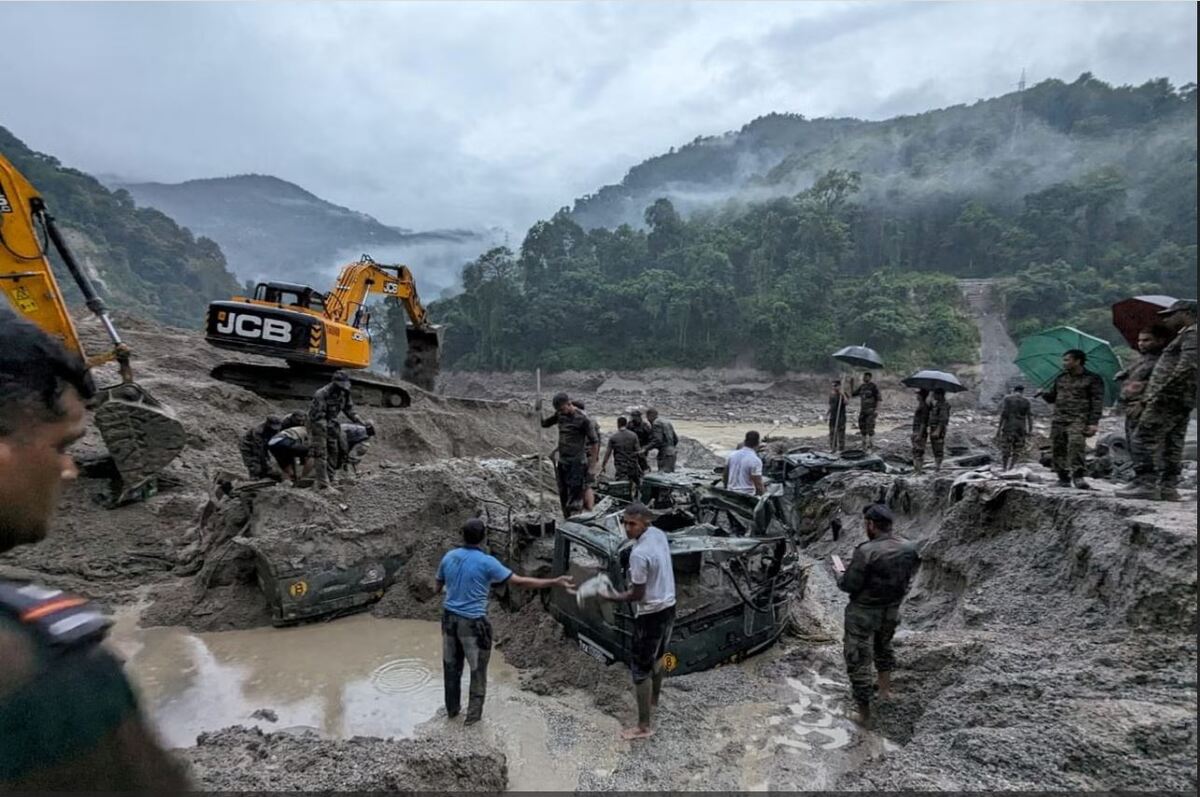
877 579
1078 398
467 575
652 593
1015 426
868 409
70 721
576 441
256 442
624 450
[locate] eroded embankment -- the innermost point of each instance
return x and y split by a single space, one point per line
1048 642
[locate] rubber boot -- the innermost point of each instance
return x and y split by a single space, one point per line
864 713
869 443
1169 493
1064 479
885 684
1081 483
937 464
918 463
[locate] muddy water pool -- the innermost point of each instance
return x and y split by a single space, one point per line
354 676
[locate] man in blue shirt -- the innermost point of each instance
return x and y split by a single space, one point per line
467 574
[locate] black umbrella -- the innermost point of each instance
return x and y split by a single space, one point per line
934 380
859 357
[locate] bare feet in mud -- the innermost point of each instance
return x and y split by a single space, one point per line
636 732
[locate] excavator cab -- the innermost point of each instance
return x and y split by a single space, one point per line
287 294
141 434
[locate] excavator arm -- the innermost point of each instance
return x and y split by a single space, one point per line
142 435
346 304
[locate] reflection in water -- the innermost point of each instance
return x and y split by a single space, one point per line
356 676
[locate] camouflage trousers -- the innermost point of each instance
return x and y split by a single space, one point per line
323 447
937 443
1012 443
837 433
866 423
1157 446
666 462
867 640
1068 447
254 457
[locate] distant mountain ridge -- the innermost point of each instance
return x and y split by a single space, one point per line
1000 149
139 258
271 228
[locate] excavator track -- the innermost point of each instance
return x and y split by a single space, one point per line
299 383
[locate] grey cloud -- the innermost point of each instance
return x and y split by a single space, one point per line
479 114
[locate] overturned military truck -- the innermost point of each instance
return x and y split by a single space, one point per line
736 572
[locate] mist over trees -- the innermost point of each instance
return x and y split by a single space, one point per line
868 254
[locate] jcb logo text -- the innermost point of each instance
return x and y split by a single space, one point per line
251 326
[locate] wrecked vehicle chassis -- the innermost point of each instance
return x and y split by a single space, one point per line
732 593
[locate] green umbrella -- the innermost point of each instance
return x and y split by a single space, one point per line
1040 357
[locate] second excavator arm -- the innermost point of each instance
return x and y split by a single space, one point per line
346 304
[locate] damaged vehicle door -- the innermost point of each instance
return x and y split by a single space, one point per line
732 593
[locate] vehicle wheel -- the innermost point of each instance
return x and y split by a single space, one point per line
393 399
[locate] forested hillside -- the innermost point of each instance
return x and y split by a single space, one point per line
803 235
139 258
271 228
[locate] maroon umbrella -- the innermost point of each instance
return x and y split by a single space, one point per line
1131 316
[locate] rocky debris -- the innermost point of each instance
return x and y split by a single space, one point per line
247 759
265 714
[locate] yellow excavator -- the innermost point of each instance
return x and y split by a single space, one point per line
318 333
141 434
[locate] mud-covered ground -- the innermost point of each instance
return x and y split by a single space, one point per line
1049 642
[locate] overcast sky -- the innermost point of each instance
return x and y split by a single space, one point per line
465 114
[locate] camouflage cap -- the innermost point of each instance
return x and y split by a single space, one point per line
341 378
1180 305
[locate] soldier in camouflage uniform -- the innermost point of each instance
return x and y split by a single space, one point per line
868 406
1135 379
324 430
1166 405
1078 398
1016 424
663 440
638 425
253 446
920 430
877 579
939 426
624 450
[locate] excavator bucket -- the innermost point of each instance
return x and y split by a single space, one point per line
422 362
142 437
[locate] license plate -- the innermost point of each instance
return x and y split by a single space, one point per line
595 651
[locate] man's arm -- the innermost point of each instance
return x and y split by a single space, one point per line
759 486
352 413
607 456
632 595
657 439
855 577
1049 396
1095 403
548 422
526 582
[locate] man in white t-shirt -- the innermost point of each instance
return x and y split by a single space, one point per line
743 469
652 591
